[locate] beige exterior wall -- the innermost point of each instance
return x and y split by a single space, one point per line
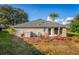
36 31
27 31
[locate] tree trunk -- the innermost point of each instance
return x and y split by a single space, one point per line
53 22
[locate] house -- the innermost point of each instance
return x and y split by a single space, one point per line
39 28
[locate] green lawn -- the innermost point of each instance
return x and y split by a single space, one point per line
10 46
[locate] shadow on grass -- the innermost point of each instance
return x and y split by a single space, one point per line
24 48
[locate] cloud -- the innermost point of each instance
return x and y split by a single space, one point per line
62 21
68 20
49 19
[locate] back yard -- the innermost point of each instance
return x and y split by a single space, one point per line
12 45
11 16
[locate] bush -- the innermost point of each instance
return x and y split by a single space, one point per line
10 30
72 34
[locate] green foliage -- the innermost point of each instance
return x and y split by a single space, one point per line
53 16
11 15
74 25
10 30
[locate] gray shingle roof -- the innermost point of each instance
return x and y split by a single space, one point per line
38 23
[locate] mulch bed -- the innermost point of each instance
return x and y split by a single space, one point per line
36 40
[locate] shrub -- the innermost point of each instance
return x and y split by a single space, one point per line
72 34
10 30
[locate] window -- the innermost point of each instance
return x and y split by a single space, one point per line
60 30
56 30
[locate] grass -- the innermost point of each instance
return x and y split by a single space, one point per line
10 46
72 34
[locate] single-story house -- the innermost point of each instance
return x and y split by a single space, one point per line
39 28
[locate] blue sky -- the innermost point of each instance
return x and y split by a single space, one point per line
37 11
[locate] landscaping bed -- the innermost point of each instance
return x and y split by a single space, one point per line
55 45
52 40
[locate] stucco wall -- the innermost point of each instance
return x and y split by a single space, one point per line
36 31
26 31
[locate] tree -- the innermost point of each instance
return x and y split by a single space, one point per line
53 16
74 25
10 15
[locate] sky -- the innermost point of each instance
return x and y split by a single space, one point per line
42 11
